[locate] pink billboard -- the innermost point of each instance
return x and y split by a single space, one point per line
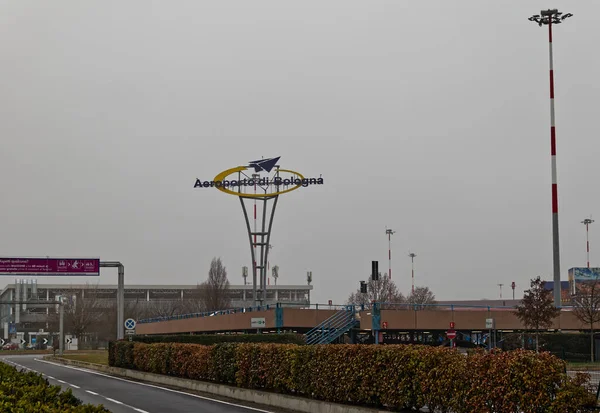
49 266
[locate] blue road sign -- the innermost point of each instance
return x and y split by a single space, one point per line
130 324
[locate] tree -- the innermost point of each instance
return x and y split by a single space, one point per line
587 307
214 292
164 308
537 308
82 312
107 324
383 290
421 298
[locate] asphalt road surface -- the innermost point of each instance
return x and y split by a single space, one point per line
124 396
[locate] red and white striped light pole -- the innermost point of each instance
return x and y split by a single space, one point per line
550 17
389 233
412 256
587 223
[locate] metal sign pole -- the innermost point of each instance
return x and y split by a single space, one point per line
61 331
120 295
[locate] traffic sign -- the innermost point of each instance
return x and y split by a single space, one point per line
130 332
451 325
489 323
384 325
130 324
451 334
45 341
258 322
23 341
330 302
2 341
69 340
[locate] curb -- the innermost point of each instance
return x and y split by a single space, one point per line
264 398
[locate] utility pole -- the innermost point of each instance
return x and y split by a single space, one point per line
389 233
550 17
500 285
245 274
412 256
587 223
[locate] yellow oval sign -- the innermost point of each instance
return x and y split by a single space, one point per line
224 185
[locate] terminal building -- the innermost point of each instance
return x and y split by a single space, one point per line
26 320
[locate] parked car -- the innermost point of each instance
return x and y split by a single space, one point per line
10 346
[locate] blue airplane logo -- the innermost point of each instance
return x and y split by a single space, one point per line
264 164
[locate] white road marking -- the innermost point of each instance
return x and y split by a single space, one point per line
72 385
139 410
254 409
51 378
91 392
60 381
113 400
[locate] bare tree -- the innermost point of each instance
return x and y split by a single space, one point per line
106 327
537 308
82 312
383 291
421 298
214 292
164 308
587 307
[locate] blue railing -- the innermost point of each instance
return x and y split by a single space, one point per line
333 327
243 310
420 307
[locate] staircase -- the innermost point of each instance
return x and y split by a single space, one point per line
334 327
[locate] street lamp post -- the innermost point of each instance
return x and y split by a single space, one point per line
587 223
389 233
412 256
550 17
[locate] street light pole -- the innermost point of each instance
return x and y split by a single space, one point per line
550 17
389 233
412 256
587 223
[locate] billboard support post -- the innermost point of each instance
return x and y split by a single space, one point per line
120 295
61 337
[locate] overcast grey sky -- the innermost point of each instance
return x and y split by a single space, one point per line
429 117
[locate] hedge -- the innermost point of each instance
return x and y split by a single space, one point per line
209 339
396 377
30 392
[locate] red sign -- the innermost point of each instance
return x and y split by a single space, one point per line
451 334
384 324
330 302
49 266
451 325
513 285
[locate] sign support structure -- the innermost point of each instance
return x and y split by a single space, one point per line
260 189
259 240
120 295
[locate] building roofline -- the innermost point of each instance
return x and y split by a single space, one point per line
157 286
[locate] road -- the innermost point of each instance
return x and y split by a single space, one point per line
124 396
